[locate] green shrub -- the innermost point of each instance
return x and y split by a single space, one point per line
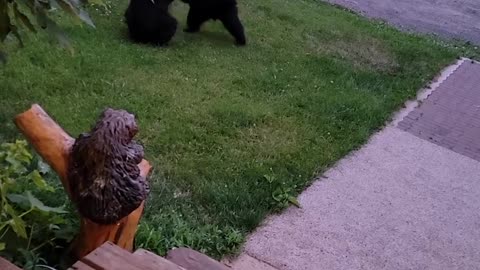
29 229
32 15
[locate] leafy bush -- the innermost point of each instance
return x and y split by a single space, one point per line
28 227
31 15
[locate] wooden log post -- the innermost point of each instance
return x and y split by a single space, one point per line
116 217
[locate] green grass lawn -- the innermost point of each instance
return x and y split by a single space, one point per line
231 132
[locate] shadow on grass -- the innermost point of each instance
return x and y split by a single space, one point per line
223 39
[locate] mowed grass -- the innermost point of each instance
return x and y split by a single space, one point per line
231 132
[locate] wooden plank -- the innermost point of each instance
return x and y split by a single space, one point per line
80 266
6 265
194 260
110 257
139 262
154 260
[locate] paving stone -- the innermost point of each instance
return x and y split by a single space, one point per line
450 116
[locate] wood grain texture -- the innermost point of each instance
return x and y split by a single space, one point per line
48 138
53 144
111 257
194 260
154 259
81 266
103 173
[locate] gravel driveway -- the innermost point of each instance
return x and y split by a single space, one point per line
448 18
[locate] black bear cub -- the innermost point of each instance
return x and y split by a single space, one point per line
149 21
224 10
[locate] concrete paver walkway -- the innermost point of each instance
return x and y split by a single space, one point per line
449 18
401 202
450 117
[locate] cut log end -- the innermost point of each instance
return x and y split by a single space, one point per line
50 141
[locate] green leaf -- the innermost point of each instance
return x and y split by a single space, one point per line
42 18
22 144
56 219
277 194
8 209
294 201
53 227
58 34
18 226
42 207
4 20
40 182
15 163
22 152
23 18
18 199
17 153
83 15
66 233
69 7
2 246
30 4
31 258
15 32
270 178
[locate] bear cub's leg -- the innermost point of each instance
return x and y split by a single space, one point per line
195 19
232 23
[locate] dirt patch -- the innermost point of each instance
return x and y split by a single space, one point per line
360 51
